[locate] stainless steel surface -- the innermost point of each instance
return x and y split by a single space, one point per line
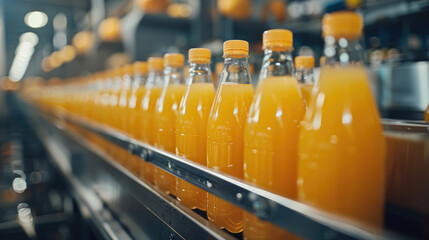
296 217
98 180
404 86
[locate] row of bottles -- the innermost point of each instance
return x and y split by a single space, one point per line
320 145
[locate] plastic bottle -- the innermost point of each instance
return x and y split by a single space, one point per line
191 123
137 92
166 111
225 128
304 66
147 109
124 96
272 129
113 116
342 167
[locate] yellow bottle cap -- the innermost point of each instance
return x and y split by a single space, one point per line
140 67
199 55
155 64
174 60
304 62
277 38
235 48
342 24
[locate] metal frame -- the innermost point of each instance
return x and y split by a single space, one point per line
296 217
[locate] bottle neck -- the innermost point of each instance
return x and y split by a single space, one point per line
277 63
199 73
173 75
342 51
154 79
305 75
236 70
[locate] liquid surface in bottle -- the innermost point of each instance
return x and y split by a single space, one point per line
341 147
146 118
191 138
225 147
166 111
271 145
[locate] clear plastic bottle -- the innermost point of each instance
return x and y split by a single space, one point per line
191 123
342 152
165 114
304 66
272 130
145 117
135 97
124 96
225 128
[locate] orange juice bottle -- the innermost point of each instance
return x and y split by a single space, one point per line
341 147
272 130
105 106
191 123
427 114
138 91
136 94
225 128
166 111
122 110
112 115
304 73
124 95
145 117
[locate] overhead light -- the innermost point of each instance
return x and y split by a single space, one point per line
23 53
36 19
60 22
29 37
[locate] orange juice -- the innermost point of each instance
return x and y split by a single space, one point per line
342 147
341 167
272 130
124 96
191 124
304 73
166 111
113 116
138 90
225 128
225 147
306 90
136 94
147 109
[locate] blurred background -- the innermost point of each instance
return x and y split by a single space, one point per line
67 38
52 40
